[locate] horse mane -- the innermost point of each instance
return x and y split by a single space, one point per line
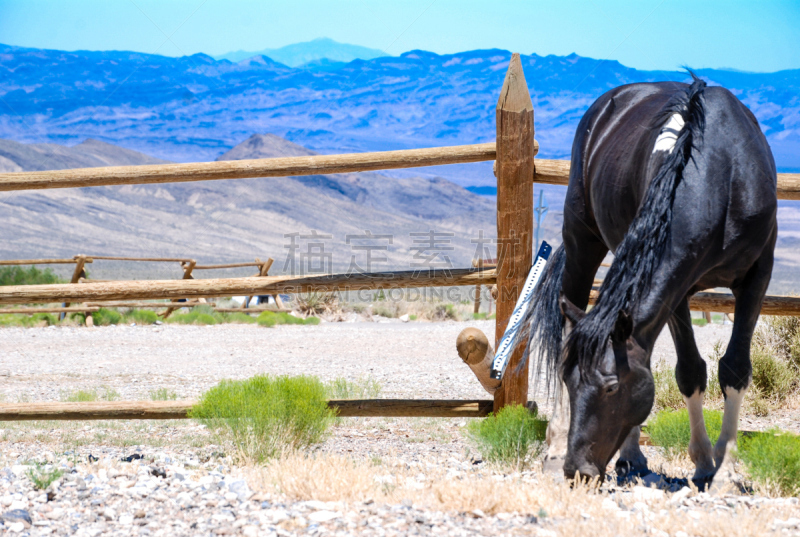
641 251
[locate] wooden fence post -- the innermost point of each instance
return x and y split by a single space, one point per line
188 267
477 263
77 274
515 151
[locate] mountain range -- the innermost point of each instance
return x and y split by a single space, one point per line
236 220
194 108
318 53
65 109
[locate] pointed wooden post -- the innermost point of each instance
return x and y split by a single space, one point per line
514 168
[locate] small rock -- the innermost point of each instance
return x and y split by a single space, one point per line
109 513
55 514
249 531
158 472
16 527
139 513
404 318
241 489
647 493
17 515
788 523
231 496
680 495
323 516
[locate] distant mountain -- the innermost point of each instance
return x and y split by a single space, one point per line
310 54
17 157
221 221
194 108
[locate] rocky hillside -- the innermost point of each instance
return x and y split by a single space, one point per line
223 221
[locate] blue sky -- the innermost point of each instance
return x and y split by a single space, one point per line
647 34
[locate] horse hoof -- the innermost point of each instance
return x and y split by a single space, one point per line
629 470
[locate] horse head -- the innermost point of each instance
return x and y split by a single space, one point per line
606 401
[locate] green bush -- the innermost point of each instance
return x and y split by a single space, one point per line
30 276
668 396
773 377
163 394
272 318
671 431
385 310
361 388
699 321
106 317
43 475
480 316
445 312
513 436
200 315
238 318
773 460
141 317
78 396
266 416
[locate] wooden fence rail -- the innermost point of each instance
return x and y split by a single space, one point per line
174 410
257 285
555 172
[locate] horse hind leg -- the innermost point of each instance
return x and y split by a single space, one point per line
692 377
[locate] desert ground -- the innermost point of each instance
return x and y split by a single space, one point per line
372 476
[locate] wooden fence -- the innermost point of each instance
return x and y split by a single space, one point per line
516 172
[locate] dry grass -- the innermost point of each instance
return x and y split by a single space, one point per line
580 510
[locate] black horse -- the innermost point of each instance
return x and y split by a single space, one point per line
679 182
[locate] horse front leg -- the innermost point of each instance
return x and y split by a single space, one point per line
735 369
692 378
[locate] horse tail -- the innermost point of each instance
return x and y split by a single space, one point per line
681 124
544 321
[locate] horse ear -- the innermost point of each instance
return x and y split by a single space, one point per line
623 328
572 312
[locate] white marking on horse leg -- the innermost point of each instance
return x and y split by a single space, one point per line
730 423
699 445
669 134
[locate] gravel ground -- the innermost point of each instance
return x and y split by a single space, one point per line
171 478
415 359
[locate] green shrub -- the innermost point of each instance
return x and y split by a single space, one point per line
773 460
412 317
385 310
141 317
78 396
271 318
361 388
513 436
48 319
445 312
668 396
15 275
699 321
773 377
106 317
671 431
43 475
266 416
200 315
239 318
163 394
480 316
